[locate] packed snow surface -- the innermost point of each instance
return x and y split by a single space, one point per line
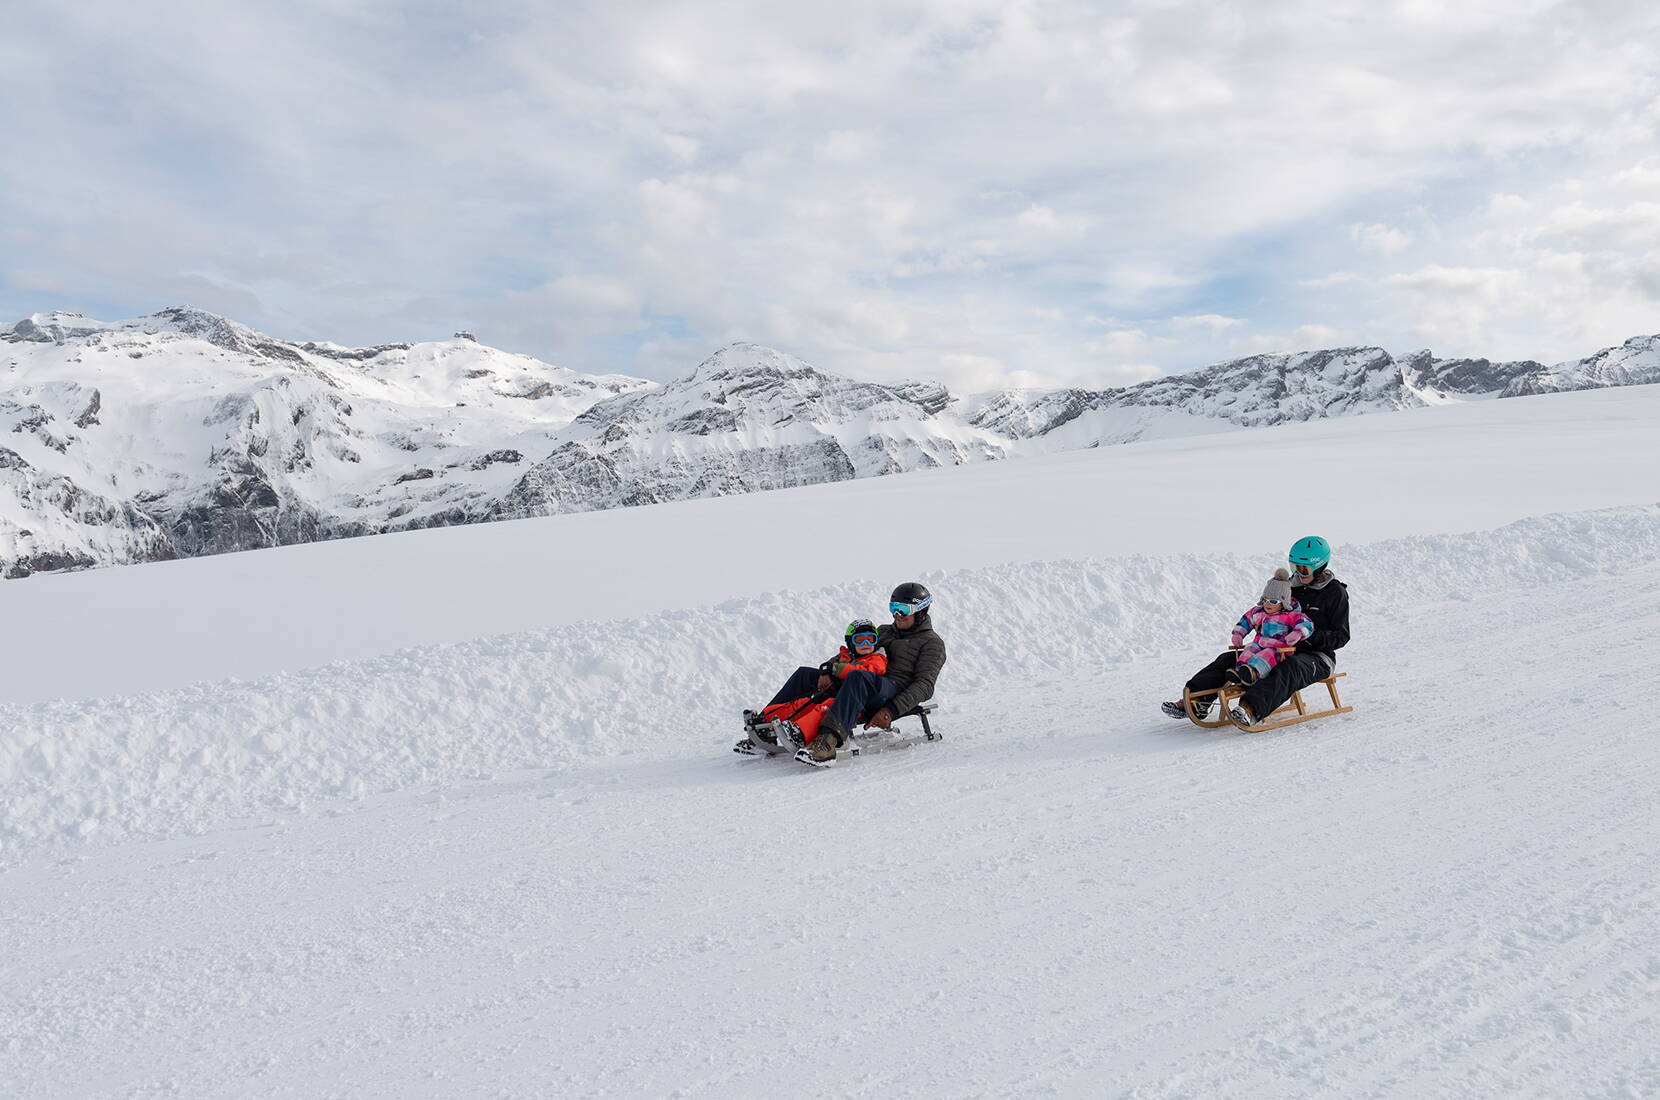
526 864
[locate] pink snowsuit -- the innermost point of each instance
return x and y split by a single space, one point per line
1286 627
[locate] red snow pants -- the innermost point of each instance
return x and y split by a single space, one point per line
803 712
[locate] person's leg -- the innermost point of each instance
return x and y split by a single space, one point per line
1213 675
802 683
860 694
1261 661
1293 673
808 721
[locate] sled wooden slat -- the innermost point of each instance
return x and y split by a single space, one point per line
1227 693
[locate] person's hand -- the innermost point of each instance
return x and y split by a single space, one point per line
881 720
824 682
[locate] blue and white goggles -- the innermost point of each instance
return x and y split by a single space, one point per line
899 608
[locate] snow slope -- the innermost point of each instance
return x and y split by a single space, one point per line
1439 470
526 864
1448 892
171 762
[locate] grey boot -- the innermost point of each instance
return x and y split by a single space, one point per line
1175 709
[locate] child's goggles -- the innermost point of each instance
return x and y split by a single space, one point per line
863 639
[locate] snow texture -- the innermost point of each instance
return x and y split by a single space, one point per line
173 762
528 865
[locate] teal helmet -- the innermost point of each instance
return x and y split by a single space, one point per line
1310 555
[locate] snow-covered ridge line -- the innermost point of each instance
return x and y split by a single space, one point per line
182 761
185 433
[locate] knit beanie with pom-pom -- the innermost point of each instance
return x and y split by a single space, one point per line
1278 588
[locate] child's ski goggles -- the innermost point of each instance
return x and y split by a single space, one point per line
899 608
863 639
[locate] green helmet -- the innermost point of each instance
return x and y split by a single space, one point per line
857 628
1311 554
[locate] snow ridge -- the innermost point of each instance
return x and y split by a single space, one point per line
186 433
183 761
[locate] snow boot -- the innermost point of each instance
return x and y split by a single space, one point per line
1243 674
1241 716
758 728
832 726
746 747
789 734
821 753
1175 709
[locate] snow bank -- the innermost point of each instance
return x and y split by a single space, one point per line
182 761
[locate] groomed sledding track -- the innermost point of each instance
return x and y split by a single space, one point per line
1449 892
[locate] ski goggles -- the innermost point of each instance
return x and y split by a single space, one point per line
899 608
1303 571
862 639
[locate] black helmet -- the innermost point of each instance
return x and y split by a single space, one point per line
910 598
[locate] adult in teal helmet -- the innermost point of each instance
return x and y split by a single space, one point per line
1308 556
1325 600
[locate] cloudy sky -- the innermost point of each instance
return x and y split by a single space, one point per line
983 193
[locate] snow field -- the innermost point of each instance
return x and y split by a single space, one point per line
1449 892
171 763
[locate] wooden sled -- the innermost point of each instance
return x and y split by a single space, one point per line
1228 693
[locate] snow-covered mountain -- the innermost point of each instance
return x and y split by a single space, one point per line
184 433
748 418
751 418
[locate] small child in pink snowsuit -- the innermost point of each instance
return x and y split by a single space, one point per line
1278 621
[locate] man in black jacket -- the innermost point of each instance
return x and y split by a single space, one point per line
915 656
1325 600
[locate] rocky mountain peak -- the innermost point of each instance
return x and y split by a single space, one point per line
231 439
52 327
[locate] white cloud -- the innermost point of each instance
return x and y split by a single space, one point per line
879 187
848 146
1380 240
1336 278
1209 322
1312 337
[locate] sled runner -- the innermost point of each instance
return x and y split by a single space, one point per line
1228 694
776 738
878 740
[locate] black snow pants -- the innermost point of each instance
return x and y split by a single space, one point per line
1295 671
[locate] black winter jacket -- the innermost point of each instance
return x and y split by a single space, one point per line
1326 601
915 657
